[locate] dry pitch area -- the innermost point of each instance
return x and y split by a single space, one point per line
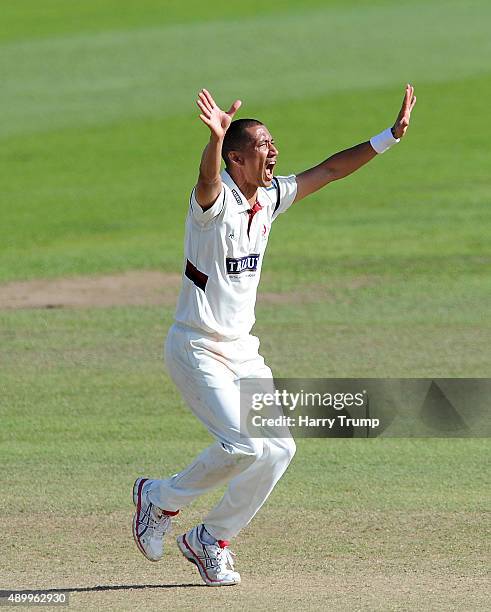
142 288
137 288
312 560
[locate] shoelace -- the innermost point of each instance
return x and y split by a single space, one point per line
225 556
163 523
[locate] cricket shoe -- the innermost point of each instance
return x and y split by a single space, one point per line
214 561
150 523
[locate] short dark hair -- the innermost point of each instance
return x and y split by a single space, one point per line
237 136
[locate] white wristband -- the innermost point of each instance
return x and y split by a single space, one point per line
383 141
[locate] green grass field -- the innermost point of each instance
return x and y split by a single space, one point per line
383 274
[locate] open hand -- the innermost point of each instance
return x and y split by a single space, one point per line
402 122
213 116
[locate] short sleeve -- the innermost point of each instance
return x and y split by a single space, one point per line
286 191
204 216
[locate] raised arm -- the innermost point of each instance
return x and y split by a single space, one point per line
348 161
209 184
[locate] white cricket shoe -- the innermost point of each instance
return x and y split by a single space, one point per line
150 523
214 561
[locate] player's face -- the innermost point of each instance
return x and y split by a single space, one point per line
260 157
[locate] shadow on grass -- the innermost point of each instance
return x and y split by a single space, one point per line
109 587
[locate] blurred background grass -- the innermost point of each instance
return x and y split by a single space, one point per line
101 140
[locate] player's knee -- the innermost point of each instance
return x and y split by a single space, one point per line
288 449
282 450
291 449
245 452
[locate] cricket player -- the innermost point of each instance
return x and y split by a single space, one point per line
209 348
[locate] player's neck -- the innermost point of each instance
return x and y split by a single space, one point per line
248 190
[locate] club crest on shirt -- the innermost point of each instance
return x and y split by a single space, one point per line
236 265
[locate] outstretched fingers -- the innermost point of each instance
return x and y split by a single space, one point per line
212 115
409 98
408 102
205 120
208 97
204 100
406 98
402 122
234 108
204 109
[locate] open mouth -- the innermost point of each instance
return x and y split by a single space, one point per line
269 169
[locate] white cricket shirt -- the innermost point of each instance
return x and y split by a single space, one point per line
223 257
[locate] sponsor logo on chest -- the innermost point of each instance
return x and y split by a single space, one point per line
236 265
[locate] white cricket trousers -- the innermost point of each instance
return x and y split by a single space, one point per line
207 371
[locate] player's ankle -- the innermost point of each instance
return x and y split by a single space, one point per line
205 536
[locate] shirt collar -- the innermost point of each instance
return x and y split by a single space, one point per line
242 203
